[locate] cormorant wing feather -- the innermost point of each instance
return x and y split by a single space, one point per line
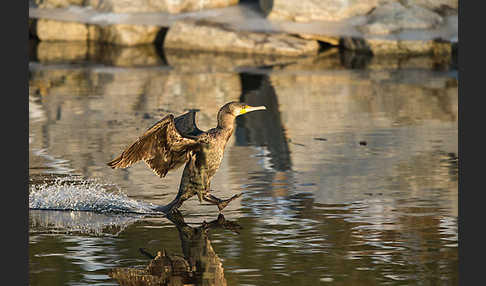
161 147
186 124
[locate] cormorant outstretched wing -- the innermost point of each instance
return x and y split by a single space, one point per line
186 124
162 147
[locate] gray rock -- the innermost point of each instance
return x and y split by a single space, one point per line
210 36
315 10
393 17
170 6
432 4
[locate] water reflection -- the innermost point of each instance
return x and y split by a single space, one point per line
317 206
199 264
80 222
264 129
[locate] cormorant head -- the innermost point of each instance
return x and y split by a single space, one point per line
238 108
229 111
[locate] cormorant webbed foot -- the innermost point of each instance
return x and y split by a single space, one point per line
224 203
219 202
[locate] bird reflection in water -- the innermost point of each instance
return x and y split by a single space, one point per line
199 265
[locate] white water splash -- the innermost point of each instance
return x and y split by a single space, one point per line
99 224
83 195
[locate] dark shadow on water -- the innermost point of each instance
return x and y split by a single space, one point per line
263 128
198 265
355 59
159 42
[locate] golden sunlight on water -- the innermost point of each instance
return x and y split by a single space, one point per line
349 177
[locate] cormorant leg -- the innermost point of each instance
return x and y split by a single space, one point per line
217 201
171 207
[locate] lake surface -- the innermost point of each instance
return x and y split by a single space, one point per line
349 178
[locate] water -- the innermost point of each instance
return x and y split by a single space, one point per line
349 178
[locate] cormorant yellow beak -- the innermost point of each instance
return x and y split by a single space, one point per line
248 108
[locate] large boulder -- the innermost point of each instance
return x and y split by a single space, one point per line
211 36
53 30
393 17
119 34
316 10
124 34
170 6
49 4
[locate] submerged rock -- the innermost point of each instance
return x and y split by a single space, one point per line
206 61
81 51
211 36
315 10
54 52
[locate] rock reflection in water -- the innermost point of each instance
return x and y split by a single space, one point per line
199 265
264 129
54 52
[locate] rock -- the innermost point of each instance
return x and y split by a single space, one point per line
433 4
52 30
331 40
124 34
120 34
393 17
212 62
397 46
170 6
49 4
315 10
210 36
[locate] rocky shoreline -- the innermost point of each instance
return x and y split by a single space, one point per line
277 27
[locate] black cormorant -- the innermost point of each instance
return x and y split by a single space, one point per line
171 142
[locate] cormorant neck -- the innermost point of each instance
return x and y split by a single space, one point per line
226 121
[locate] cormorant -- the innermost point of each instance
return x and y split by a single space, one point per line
171 142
